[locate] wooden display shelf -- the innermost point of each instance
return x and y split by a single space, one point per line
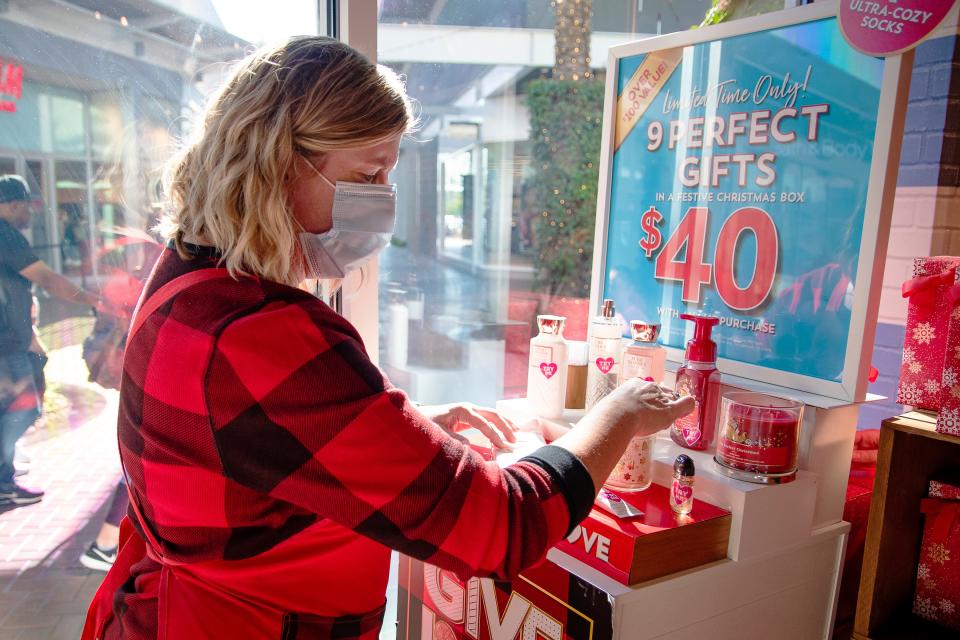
906 626
911 452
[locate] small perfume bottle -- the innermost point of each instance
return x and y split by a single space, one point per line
643 358
603 365
681 492
547 373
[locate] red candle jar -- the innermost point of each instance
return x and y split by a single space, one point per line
759 436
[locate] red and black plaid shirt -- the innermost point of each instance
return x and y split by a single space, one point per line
276 466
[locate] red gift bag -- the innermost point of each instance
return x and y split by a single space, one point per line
933 294
949 419
946 487
937 595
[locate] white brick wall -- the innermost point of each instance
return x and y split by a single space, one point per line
926 221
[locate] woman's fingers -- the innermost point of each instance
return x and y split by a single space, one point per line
456 417
504 426
665 411
470 417
683 405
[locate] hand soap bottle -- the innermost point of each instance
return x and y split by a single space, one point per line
643 358
699 377
547 373
603 363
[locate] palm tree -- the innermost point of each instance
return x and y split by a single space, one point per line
565 123
571 31
723 10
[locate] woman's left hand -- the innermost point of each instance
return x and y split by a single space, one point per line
460 416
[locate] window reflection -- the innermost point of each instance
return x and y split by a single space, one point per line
471 238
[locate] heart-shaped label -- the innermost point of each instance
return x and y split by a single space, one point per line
681 492
611 496
691 434
605 364
548 369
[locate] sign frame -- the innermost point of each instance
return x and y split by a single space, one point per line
884 166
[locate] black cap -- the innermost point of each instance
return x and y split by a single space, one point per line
684 465
13 188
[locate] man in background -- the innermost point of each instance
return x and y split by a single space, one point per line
21 355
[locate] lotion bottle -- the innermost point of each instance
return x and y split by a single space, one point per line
547 372
643 358
603 363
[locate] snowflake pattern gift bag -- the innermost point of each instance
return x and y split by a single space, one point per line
929 371
937 596
949 419
946 486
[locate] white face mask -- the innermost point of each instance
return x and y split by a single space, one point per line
363 220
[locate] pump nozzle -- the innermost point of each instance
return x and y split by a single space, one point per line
701 348
608 310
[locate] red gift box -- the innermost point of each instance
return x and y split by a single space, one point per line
654 543
928 371
937 596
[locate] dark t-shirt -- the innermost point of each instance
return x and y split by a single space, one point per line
16 292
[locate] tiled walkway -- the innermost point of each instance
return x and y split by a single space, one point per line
44 592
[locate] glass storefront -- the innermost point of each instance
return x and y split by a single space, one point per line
91 117
94 100
474 259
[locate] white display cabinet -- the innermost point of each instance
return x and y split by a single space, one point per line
785 551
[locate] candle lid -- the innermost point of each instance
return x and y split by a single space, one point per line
683 465
551 325
644 331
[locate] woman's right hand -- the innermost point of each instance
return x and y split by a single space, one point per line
636 408
644 407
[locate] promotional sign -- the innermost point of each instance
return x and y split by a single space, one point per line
11 85
746 176
885 27
545 602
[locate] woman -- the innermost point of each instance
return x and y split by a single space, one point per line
271 466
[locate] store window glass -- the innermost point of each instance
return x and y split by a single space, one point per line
95 97
497 191
66 126
42 224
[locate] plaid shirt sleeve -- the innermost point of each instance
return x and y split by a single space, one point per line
301 414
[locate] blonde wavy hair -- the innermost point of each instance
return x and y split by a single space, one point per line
227 188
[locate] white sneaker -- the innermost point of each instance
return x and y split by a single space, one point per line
98 559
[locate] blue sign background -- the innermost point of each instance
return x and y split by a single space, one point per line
819 239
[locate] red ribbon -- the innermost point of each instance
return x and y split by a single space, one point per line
924 291
942 516
953 295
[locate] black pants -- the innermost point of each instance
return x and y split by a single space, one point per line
19 406
118 505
